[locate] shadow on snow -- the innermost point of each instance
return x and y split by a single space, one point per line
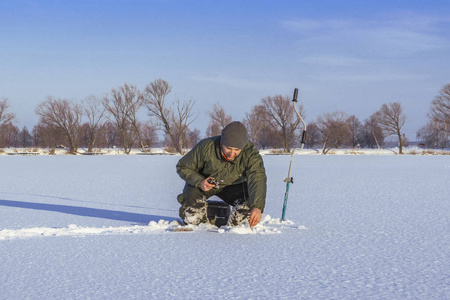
77 200
88 212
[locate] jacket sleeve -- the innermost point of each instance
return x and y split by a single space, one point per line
189 166
257 181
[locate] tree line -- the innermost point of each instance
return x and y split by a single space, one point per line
113 121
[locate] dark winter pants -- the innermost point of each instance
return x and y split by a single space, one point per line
193 203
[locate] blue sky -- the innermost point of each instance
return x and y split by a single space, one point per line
351 56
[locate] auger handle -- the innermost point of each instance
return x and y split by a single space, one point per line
295 95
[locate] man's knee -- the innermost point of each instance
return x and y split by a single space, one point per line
240 214
193 205
194 214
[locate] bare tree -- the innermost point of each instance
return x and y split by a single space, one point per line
372 134
63 115
7 128
181 121
218 120
47 136
355 128
391 119
440 115
431 135
174 121
193 137
260 133
279 116
149 134
334 130
313 136
5 116
122 105
36 133
255 125
109 135
440 107
9 135
155 94
137 126
25 137
434 134
95 112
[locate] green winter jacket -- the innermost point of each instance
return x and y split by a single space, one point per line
206 160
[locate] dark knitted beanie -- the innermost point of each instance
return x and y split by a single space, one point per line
234 135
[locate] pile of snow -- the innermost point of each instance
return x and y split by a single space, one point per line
266 226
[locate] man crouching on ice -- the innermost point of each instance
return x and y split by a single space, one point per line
228 166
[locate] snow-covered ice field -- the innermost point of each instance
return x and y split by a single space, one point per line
360 227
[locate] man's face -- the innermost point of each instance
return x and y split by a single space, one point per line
230 152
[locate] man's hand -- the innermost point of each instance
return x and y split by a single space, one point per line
205 185
255 217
